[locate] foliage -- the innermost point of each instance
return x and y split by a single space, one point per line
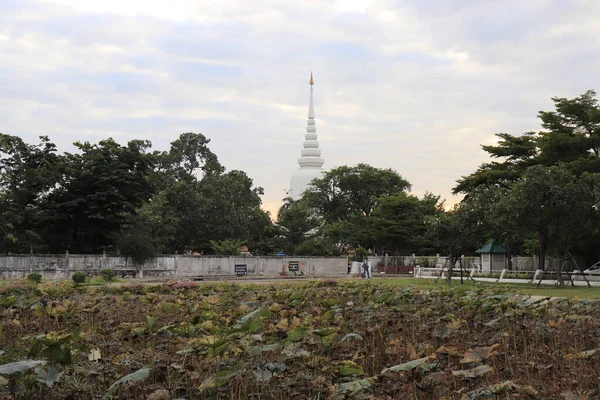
367 206
345 191
138 247
136 376
397 225
316 246
296 223
566 154
552 204
88 201
360 253
27 175
101 184
79 277
571 138
296 341
19 367
456 232
34 277
107 274
227 247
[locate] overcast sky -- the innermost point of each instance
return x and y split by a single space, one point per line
414 85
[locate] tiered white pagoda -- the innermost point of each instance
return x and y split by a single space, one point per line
310 162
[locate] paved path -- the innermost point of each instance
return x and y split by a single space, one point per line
506 280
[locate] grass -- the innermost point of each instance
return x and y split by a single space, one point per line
522 288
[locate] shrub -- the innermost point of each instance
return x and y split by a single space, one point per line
227 247
107 274
35 277
329 282
138 248
79 277
360 254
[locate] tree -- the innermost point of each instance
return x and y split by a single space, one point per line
346 197
517 152
295 222
554 204
188 154
99 188
227 247
316 245
345 191
571 138
230 209
137 247
28 173
455 233
570 141
398 224
577 119
188 214
105 193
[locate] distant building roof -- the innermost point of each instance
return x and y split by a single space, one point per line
491 247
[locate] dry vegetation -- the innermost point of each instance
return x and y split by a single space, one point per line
318 340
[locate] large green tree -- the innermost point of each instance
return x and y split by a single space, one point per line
345 192
196 201
107 196
570 137
554 205
570 140
99 187
296 223
345 198
28 174
397 224
457 232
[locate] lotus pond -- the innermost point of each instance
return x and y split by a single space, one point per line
313 340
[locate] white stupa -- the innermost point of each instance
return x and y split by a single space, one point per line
310 162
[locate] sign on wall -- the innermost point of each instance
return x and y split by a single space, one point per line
294 266
241 269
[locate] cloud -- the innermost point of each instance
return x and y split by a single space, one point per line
412 85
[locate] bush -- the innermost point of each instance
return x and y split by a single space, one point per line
227 247
360 254
79 277
35 277
138 248
107 274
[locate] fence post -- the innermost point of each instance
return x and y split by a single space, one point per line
501 275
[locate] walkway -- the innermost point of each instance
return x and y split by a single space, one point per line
551 282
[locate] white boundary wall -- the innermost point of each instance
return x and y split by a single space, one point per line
57 266
64 265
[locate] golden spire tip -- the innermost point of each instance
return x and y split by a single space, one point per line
312 82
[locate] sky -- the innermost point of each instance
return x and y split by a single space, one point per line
413 85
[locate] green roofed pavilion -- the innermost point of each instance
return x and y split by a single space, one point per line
492 248
493 257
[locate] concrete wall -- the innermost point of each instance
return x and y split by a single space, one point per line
64 265
59 266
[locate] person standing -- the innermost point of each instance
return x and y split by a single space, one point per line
366 269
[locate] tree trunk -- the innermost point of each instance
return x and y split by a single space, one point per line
450 269
543 239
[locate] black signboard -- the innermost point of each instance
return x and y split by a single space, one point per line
294 266
241 269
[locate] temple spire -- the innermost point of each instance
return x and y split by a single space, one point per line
311 107
311 155
310 161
